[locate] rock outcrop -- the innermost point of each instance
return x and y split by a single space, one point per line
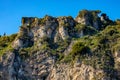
42 44
76 72
90 18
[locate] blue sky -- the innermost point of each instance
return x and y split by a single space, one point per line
11 11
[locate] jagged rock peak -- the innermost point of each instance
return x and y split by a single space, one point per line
88 17
92 18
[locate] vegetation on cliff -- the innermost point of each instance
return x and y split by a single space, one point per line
6 42
91 46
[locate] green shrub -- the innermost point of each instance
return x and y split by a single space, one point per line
41 21
45 46
87 30
70 17
92 15
117 21
5 43
12 37
68 59
83 13
79 49
79 27
23 53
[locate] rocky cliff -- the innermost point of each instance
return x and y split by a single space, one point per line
62 48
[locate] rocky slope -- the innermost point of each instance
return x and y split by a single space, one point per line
62 48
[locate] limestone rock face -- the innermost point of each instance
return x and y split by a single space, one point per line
17 43
77 71
84 20
64 24
63 33
90 18
52 28
12 67
41 42
117 61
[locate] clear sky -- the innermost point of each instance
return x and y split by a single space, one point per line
11 11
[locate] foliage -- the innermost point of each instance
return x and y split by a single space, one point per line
92 15
79 49
97 50
79 27
70 17
83 13
5 43
24 52
42 21
117 21
87 30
